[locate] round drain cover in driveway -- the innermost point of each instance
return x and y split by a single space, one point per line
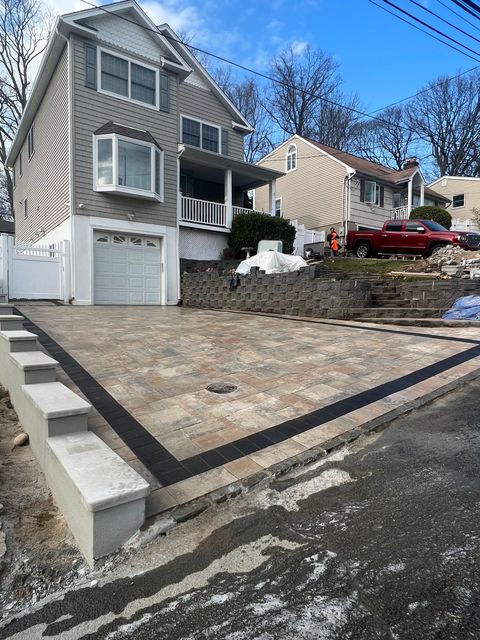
221 387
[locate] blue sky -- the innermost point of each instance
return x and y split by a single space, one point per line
381 58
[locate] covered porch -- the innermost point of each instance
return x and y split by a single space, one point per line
408 194
214 188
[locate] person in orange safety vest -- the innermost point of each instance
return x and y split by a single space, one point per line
332 240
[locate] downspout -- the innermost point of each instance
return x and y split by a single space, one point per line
70 162
181 149
348 190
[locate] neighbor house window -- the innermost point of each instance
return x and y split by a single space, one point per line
14 176
278 207
20 164
127 166
458 200
30 145
124 77
291 158
200 134
372 193
25 208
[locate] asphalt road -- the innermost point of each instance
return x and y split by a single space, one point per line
383 543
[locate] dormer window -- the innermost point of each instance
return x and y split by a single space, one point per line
128 167
291 158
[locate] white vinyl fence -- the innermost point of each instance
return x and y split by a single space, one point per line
305 237
34 272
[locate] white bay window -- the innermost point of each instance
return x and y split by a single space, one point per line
128 167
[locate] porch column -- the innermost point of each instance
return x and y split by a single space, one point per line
272 196
410 196
422 194
228 198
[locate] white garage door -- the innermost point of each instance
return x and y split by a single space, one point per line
127 269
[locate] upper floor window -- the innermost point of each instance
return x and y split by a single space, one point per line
20 164
30 143
124 77
291 158
25 208
200 134
127 166
458 200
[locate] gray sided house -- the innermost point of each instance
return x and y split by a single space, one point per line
324 187
129 151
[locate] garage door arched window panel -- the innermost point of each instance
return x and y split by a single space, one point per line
128 167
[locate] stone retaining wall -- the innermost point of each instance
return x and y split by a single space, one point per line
300 293
438 294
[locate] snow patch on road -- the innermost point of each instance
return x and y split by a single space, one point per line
289 498
126 629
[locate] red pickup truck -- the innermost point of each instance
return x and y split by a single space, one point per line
419 237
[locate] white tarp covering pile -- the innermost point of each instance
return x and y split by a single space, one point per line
271 262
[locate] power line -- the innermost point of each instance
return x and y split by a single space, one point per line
425 24
248 69
471 4
462 6
435 15
459 15
258 73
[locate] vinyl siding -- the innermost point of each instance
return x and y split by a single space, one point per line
45 179
92 109
313 193
454 187
203 105
369 215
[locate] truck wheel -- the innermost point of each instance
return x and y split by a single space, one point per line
362 250
436 248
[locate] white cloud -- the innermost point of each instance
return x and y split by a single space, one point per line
298 47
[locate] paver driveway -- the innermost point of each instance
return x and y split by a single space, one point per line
157 362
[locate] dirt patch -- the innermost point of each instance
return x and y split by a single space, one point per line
40 555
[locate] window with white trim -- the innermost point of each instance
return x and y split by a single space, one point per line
25 208
458 201
200 134
128 79
291 159
20 164
278 207
128 166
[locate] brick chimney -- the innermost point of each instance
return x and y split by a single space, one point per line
410 163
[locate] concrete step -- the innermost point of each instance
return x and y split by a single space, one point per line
421 322
10 322
6 309
395 312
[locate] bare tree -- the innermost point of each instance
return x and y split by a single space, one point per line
335 125
388 140
447 117
246 96
5 209
23 37
302 80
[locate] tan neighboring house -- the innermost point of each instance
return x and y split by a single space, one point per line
324 187
464 196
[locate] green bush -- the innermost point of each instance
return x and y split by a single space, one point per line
437 214
249 228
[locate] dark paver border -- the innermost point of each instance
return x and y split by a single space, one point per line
168 470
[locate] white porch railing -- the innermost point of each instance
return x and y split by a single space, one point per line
204 212
400 213
237 210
